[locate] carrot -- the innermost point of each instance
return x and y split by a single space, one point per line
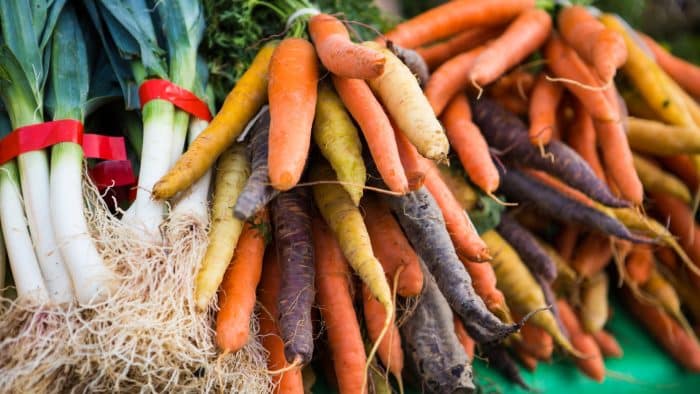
507 133
548 201
292 95
521 289
462 231
543 109
566 241
389 350
565 63
607 343
592 365
237 292
684 168
665 256
241 104
682 347
403 99
638 106
484 283
686 74
338 54
231 173
603 48
518 82
528 361
257 191
424 226
464 338
565 273
662 292
498 358
617 157
656 180
639 264
336 136
592 255
525 244
453 17
466 139
560 186
536 342
449 79
681 224
434 357
648 77
413 164
392 248
335 302
649 136
413 61
582 139
289 381
291 221
457 183
437 54
523 36
594 303
377 129
512 103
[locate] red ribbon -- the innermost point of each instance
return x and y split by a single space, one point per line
112 173
39 136
104 147
182 98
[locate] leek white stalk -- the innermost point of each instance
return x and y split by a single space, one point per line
194 202
3 261
23 262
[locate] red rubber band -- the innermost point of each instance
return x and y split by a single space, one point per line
39 136
182 98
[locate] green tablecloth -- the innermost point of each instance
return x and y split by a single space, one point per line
645 368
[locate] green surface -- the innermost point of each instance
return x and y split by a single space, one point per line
645 368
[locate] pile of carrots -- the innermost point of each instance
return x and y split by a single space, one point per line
361 164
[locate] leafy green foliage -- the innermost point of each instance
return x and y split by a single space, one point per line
237 29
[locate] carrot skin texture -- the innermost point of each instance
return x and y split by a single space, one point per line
291 222
389 350
527 247
592 255
582 139
335 301
434 356
268 291
592 365
523 36
391 247
617 157
412 162
657 138
376 128
257 191
608 344
435 55
686 74
449 79
681 224
237 294
467 342
292 96
466 139
506 132
338 54
424 226
542 112
452 17
241 104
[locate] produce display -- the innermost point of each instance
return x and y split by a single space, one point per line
240 196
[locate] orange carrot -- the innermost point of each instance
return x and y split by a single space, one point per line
536 341
470 145
582 139
592 365
453 17
512 103
377 129
449 79
527 33
292 97
565 63
517 82
682 347
435 55
667 257
592 255
391 247
608 344
389 349
603 48
413 164
639 264
334 297
560 186
683 167
464 338
338 54
484 283
237 291
528 361
686 74
544 102
288 381
566 241
682 224
463 233
617 157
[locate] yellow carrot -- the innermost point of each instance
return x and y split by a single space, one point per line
661 139
241 104
336 136
661 290
655 179
232 171
403 98
594 303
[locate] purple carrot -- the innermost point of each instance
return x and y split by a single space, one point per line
498 357
505 132
532 254
292 229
